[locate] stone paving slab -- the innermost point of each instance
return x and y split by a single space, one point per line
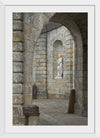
54 112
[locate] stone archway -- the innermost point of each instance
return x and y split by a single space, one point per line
33 24
66 20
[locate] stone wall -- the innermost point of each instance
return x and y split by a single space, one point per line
60 88
45 63
18 117
40 66
33 25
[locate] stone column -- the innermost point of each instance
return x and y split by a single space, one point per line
33 24
30 36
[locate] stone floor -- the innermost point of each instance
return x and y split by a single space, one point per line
54 112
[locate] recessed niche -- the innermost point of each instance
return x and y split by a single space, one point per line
58 59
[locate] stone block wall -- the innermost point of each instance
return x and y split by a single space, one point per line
33 23
45 67
40 66
60 88
18 117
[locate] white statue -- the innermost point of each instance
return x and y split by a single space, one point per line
59 67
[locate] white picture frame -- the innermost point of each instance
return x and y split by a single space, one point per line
15 131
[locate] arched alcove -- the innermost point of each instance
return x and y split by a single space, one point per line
60 49
67 21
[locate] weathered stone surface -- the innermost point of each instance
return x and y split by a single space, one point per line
41 72
27 88
69 63
27 31
42 88
69 46
79 60
17 56
17 25
19 120
41 80
49 15
17 88
17 47
41 84
17 16
28 99
17 36
79 74
37 64
17 110
41 40
28 45
40 48
30 33
28 70
17 67
34 120
69 72
55 96
43 60
70 50
69 67
42 94
41 68
17 77
41 52
69 85
28 58
69 55
79 52
69 37
68 42
18 99
41 56
69 59
39 21
50 26
79 67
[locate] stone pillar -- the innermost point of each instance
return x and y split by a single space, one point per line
33 24
29 42
32 114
